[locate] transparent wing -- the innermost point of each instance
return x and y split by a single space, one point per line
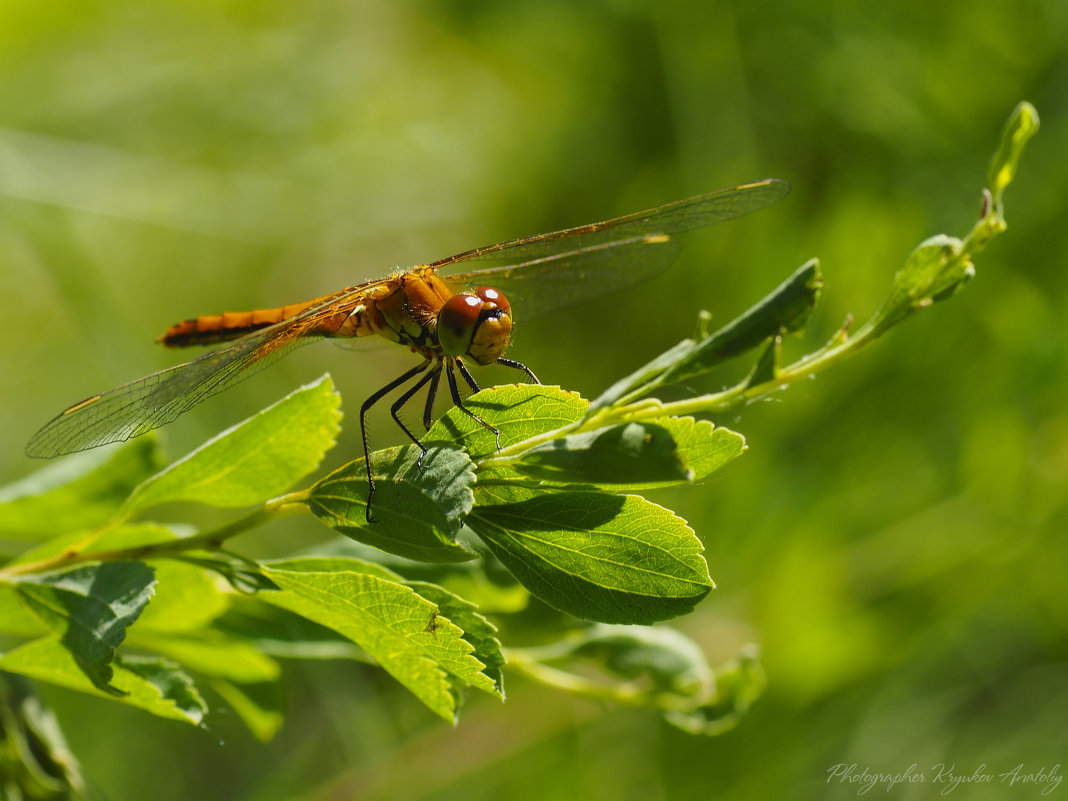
160 398
671 218
564 279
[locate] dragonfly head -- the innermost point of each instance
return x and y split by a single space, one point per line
476 324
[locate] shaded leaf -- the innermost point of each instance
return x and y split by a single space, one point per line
417 510
664 659
627 454
615 559
172 684
90 608
34 755
786 308
739 683
279 633
700 449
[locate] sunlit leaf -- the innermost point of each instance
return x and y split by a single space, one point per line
187 598
76 492
255 460
260 706
518 411
401 630
153 685
1019 128
210 653
477 630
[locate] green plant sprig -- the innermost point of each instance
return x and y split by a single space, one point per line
552 497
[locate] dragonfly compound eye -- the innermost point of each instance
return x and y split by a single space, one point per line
488 294
494 327
477 325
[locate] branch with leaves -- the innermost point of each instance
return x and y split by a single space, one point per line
107 601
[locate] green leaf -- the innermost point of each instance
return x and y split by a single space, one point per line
785 309
935 269
211 653
665 660
186 595
699 449
124 537
77 492
768 366
739 683
171 683
615 559
417 509
16 619
154 687
255 460
260 706
477 630
402 631
1020 127
187 598
703 447
282 634
628 454
518 411
34 755
90 608
648 375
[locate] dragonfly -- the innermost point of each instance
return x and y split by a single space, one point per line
446 316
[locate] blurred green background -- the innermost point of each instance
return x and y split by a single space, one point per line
895 537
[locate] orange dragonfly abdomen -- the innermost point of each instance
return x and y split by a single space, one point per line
400 308
208 329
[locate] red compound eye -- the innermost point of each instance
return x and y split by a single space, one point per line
490 295
456 323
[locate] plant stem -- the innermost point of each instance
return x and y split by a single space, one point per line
291 503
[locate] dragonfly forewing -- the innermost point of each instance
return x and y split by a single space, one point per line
671 218
160 398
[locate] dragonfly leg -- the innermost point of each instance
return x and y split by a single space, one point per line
519 366
367 404
432 376
470 379
432 393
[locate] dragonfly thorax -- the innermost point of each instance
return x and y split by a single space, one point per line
476 324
